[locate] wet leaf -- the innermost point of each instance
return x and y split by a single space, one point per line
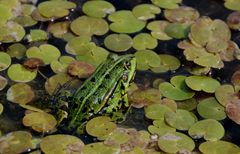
45 52
160 127
209 108
61 144
204 83
167 4
157 28
37 35
224 93
40 121
218 147
99 148
97 8
177 89
118 42
80 69
17 50
20 93
19 73
177 30
125 22
232 110
156 111
58 29
175 142
144 41
209 129
145 11
5 61
55 9
60 65
100 126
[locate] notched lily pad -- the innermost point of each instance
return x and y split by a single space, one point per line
3 82
224 93
160 127
232 4
145 11
144 41
156 111
167 4
233 110
58 29
5 61
157 28
17 50
80 69
233 20
60 65
99 148
37 35
118 42
177 30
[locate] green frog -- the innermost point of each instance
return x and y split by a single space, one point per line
105 91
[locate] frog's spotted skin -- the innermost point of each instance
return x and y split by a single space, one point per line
105 90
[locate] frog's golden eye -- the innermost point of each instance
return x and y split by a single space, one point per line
125 77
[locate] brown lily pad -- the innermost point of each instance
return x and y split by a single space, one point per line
80 69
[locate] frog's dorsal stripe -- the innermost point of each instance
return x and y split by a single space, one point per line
91 85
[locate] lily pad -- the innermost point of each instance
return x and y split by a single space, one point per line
15 142
181 119
5 14
167 4
37 35
157 28
61 144
209 129
144 41
177 30
33 63
218 147
85 25
99 148
125 22
232 110
17 50
3 82
40 121
232 20
1 110
170 103
55 9
45 52
160 127
175 142
177 89
20 93
97 8
209 108
25 21
236 80
224 93
204 83
118 42
232 4
156 111
19 73
100 126
60 65
189 104
146 11
80 69
58 29
5 61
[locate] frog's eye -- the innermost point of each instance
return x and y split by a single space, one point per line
125 77
128 64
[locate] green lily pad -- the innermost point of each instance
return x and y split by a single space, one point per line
125 22
204 83
117 137
181 119
99 148
60 65
17 50
157 28
15 142
46 52
3 82
218 147
61 144
144 41
167 4
232 4
177 30
145 11
189 104
37 35
80 69
118 42
5 61
182 14
176 89
209 108
11 32
40 121
80 45
100 126
224 93
85 25
147 59
20 93
25 21
97 8
160 127
209 129
232 110
175 142
170 103
19 73
5 14
55 9
156 111
58 29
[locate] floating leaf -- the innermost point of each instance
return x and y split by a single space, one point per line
218 147
146 59
60 65
156 111
61 144
167 4
232 20
118 42
5 14
144 41
177 30
125 22
224 93
170 103
25 21
80 69
40 121
1 111
20 93
117 137
189 104
99 148
33 63
209 129
5 61
55 9
232 110
17 50
19 73
160 127
181 119
58 29
175 142
3 82
15 142
236 80
204 83
37 35
100 126
85 25
145 11
232 4
45 52
209 108
158 29
177 89
97 8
